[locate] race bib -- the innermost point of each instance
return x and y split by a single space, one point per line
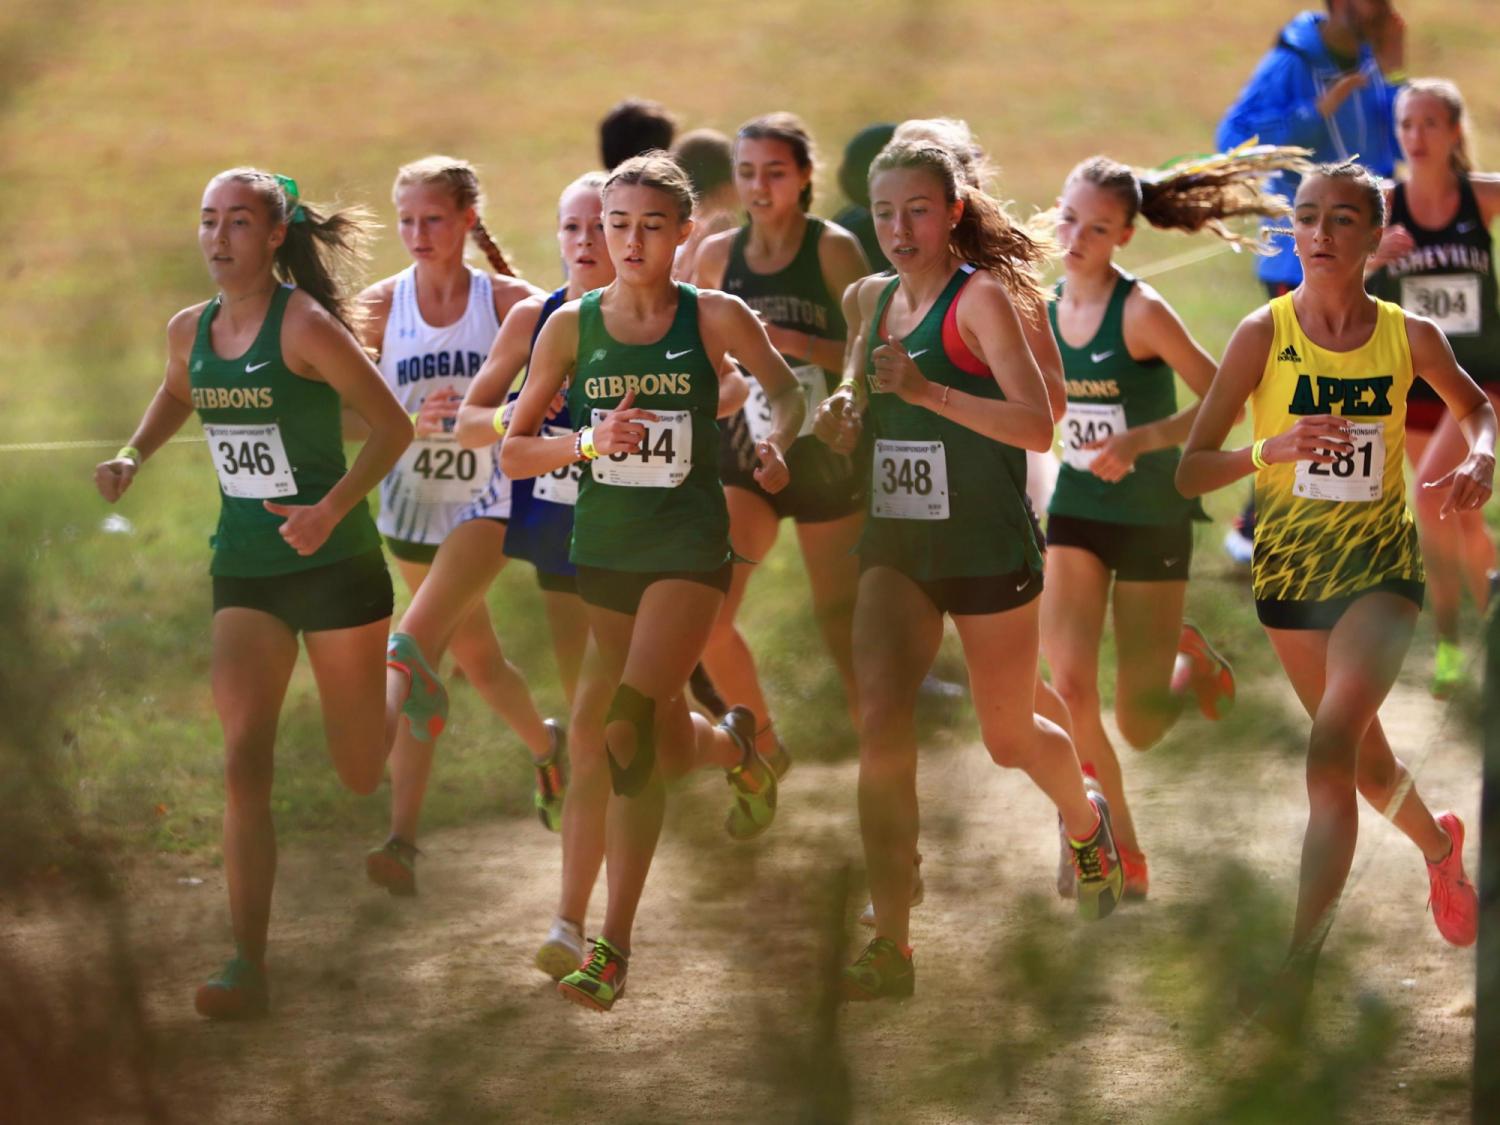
910 481
1450 299
664 460
1085 423
560 486
1354 477
251 461
437 470
810 381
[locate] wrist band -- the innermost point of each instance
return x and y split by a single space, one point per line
583 445
498 421
1395 77
413 417
1257 458
129 453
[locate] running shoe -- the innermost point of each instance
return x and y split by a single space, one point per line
1449 669
1067 878
918 893
426 706
1137 879
1455 906
562 952
551 778
1202 670
600 980
1096 865
753 781
935 687
882 971
238 991
393 866
780 760
1239 547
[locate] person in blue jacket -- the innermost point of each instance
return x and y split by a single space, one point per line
1328 84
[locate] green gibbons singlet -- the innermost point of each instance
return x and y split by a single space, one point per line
945 502
663 507
1108 391
272 436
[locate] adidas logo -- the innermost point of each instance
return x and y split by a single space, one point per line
1289 355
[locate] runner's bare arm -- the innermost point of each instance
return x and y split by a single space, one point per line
1153 329
487 393
316 346
375 302
738 331
524 453
170 407
1472 481
1043 345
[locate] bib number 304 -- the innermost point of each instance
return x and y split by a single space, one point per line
910 481
664 459
251 461
1353 477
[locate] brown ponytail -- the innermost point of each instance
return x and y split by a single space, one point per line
462 180
985 234
1199 193
324 250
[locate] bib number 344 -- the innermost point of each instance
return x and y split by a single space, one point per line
664 459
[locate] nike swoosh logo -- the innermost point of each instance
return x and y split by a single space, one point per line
676 355
1023 585
1170 562
922 351
252 367
1100 357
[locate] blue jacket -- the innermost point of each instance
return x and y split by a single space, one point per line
1279 105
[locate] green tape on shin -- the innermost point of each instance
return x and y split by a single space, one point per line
630 706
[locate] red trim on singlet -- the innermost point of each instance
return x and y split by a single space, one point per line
953 342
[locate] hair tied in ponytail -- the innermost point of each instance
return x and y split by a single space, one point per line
298 213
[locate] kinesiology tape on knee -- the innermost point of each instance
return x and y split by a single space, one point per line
630 706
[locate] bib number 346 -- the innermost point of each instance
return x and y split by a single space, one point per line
910 481
251 461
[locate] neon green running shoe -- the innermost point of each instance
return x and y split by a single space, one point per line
238 991
1099 875
426 706
1449 670
598 983
551 778
753 781
881 972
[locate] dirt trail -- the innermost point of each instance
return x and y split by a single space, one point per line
429 1009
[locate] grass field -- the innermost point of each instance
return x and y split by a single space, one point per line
113 116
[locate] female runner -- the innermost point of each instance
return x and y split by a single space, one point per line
432 326
791 269
1337 572
954 395
1116 517
265 364
651 532
1437 259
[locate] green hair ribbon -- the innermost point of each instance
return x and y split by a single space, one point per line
289 185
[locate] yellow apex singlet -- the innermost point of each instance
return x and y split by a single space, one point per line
1327 531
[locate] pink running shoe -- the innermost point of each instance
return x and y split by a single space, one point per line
1455 906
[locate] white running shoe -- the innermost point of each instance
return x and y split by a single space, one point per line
562 952
918 892
1239 547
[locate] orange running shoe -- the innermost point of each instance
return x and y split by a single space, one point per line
238 991
1137 882
393 866
1455 906
1202 670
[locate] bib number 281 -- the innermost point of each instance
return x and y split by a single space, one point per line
910 480
1353 477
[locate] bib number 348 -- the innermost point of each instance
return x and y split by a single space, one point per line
251 461
664 459
910 481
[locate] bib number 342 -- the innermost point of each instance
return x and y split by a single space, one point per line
910 481
251 461
1353 477
664 459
